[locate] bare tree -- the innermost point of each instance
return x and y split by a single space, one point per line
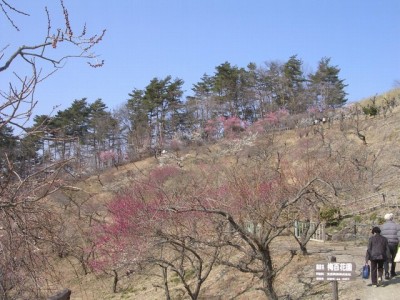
25 216
186 257
259 204
18 98
357 124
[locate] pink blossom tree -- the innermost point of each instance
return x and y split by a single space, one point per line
214 128
108 157
271 121
142 231
233 126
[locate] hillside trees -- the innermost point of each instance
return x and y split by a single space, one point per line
7 145
152 117
201 104
25 221
73 121
154 114
134 121
162 101
253 92
103 132
326 86
231 86
292 96
264 79
68 127
81 131
233 214
236 209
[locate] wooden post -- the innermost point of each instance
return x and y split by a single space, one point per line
335 292
322 226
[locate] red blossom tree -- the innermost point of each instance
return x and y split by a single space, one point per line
141 231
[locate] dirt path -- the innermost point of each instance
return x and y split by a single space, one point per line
389 290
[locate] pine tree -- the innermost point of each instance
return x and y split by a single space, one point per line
327 88
7 146
294 85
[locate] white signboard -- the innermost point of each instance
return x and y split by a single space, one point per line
335 271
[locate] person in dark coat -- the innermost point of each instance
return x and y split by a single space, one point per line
389 230
377 253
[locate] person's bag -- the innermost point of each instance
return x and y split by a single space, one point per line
397 257
366 271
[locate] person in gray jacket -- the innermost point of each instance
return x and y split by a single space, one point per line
390 230
377 254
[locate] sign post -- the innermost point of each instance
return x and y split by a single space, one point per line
335 271
335 288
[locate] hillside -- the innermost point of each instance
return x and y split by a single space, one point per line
368 145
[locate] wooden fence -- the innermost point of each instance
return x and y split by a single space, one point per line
301 227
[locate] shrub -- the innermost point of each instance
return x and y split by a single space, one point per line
380 220
373 216
370 110
330 214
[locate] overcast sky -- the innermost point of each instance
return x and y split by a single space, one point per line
187 38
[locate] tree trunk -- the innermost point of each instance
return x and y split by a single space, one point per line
268 275
166 288
82 260
303 249
115 281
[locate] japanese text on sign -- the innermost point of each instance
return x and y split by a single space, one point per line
339 271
